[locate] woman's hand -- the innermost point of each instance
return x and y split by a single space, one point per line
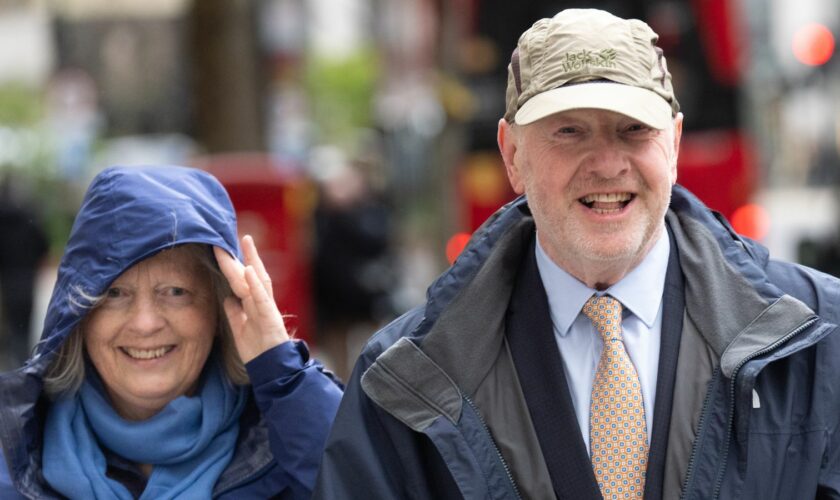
256 323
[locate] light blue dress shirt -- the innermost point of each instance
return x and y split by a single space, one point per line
640 292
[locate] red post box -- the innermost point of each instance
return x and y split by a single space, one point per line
274 205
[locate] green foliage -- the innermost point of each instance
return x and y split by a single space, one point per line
19 105
341 92
24 142
28 162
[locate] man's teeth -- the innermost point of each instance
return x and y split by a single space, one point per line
147 353
606 197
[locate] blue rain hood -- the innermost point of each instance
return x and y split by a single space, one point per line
127 215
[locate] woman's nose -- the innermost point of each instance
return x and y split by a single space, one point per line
146 316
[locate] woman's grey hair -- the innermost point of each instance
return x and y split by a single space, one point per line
67 371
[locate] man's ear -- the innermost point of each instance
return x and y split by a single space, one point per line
506 137
678 125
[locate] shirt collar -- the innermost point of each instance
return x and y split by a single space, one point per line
640 291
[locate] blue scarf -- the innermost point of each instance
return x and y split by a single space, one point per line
190 442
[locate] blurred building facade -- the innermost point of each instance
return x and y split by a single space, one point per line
412 89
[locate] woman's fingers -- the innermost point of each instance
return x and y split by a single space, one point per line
254 318
264 304
233 270
235 315
262 327
252 258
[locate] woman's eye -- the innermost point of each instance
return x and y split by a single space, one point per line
114 297
176 295
176 291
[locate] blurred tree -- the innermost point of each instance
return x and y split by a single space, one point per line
340 94
227 81
28 173
19 105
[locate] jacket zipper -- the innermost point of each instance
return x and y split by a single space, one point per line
701 428
495 447
722 468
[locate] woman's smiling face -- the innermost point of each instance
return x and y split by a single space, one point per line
152 333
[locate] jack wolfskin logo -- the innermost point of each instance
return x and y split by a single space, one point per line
574 61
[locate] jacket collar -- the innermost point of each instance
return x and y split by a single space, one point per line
737 310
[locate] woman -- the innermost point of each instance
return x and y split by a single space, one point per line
164 369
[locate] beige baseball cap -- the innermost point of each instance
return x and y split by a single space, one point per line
589 58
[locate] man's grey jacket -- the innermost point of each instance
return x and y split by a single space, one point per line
438 406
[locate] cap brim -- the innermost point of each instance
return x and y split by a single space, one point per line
642 104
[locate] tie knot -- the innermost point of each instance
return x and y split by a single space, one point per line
605 313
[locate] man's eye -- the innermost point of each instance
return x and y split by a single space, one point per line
113 293
638 127
566 130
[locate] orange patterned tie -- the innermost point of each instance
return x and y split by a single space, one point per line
617 430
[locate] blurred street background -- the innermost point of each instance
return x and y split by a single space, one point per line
357 137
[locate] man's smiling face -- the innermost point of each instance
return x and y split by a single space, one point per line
598 184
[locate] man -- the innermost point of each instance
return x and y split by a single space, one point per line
605 335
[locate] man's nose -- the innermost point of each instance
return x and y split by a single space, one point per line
607 158
146 316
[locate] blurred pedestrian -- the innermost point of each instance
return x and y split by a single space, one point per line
22 253
606 335
352 265
164 369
